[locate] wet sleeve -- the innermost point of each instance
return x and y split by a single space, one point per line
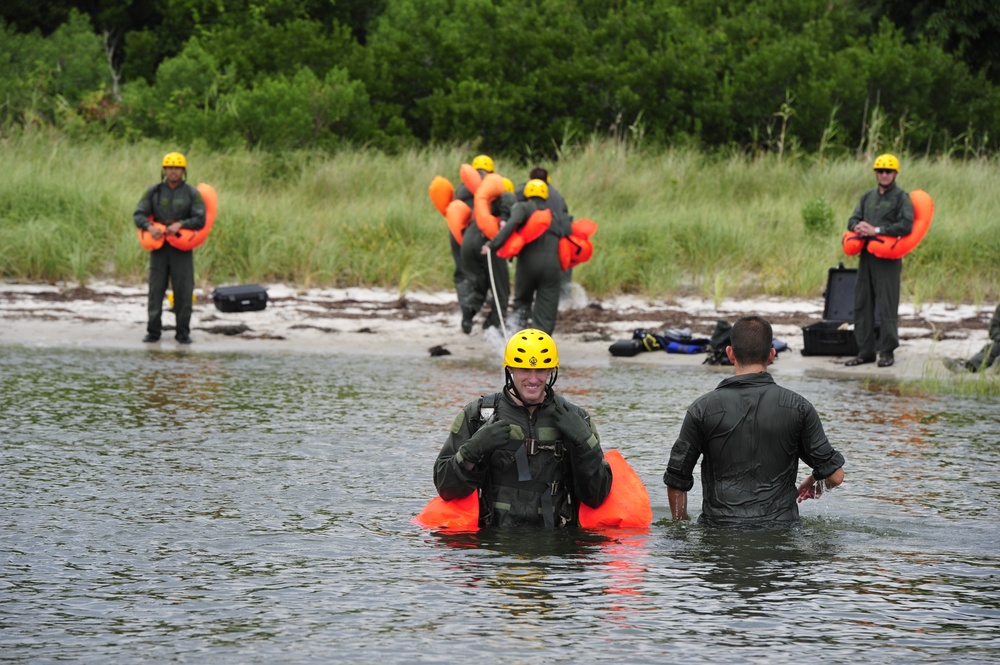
453 476
591 473
197 219
143 210
684 455
816 449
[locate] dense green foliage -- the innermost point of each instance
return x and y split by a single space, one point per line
511 77
671 222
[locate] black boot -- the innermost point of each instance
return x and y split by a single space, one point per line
467 315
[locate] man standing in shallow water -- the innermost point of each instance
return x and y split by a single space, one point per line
752 434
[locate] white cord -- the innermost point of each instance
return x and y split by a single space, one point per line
493 286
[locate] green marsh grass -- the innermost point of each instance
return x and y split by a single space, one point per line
674 222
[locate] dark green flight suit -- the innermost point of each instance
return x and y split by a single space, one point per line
878 279
751 434
538 274
538 479
476 269
185 205
989 353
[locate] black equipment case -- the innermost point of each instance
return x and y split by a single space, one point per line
831 337
244 298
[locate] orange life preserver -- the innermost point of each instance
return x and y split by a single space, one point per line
470 177
442 192
489 189
627 505
455 514
532 230
458 215
186 239
896 247
577 248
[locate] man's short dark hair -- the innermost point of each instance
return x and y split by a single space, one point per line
751 339
538 173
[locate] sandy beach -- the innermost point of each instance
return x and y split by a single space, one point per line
384 322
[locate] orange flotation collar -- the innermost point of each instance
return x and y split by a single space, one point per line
186 239
895 247
488 191
470 177
532 230
458 215
627 505
577 248
442 192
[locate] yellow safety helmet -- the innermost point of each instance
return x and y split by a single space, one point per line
174 159
508 185
536 188
531 349
483 163
886 161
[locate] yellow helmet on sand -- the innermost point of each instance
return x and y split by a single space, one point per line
483 163
174 159
531 349
886 161
536 188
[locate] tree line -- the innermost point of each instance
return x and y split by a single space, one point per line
820 77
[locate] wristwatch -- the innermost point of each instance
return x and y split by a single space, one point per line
878 230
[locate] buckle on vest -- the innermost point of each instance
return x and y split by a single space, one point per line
531 446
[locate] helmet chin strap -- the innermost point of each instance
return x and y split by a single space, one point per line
509 385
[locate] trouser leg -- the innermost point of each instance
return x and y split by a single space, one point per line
182 281
159 273
546 308
864 310
886 275
458 276
501 277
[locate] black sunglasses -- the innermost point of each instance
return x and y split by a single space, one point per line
881 171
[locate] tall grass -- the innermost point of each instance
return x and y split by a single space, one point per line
671 223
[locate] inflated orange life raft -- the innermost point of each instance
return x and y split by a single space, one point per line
895 247
470 177
186 239
458 215
488 191
627 505
577 248
442 192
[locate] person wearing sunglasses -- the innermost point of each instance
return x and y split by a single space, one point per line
888 211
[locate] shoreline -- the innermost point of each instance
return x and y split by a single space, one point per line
375 321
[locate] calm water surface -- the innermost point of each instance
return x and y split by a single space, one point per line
187 507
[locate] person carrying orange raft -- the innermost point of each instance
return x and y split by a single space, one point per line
532 456
884 210
172 204
538 275
494 199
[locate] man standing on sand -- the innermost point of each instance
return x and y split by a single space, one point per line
173 203
751 434
885 210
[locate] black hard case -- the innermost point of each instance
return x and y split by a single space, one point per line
826 338
243 298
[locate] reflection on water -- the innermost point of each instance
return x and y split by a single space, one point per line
180 506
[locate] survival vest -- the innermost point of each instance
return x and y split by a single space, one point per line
627 504
532 230
895 247
186 239
577 248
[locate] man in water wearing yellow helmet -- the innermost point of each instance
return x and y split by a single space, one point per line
885 210
175 204
531 455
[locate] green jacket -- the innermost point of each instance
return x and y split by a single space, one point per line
184 204
891 211
562 473
751 434
519 214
